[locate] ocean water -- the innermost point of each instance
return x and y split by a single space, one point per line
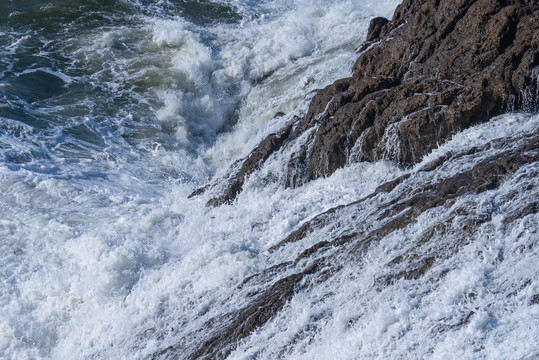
113 112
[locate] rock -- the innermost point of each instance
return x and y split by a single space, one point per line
442 67
375 28
248 165
438 67
340 238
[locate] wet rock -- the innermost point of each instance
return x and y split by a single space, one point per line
245 167
233 327
468 317
375 28
343 236
442 66
436 68
404 205
414 271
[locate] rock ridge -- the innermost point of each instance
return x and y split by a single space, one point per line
454 185
437 67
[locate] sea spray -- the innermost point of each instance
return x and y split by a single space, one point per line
110 115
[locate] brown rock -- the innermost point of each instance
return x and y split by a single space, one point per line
249 164
450 65
439 66
375 28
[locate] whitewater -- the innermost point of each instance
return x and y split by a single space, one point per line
113 112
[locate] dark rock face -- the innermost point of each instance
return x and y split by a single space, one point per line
439 67
245 167
375 28
436 68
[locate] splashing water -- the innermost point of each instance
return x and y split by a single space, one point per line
112 112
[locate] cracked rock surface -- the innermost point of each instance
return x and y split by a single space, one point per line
436 68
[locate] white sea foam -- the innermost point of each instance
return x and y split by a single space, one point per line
355 315
119 264
306 48
102 255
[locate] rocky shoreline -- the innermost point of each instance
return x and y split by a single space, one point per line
436 68
345 235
